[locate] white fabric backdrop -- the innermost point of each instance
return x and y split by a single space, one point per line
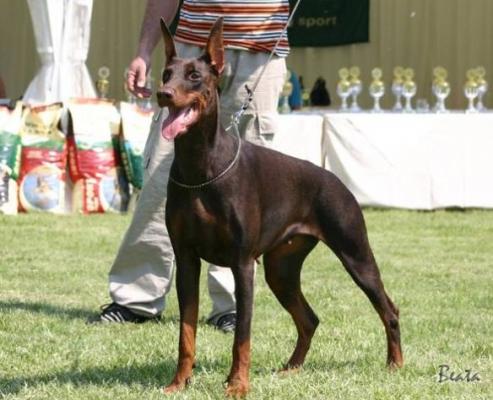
62 32
418 161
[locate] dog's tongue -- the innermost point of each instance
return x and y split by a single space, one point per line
177 122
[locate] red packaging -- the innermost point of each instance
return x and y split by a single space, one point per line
43 159
94 164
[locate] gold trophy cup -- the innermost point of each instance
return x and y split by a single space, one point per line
103 84
440 88
471 90
344 88
376 89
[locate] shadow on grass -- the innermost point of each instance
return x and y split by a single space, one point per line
47 309
311 366
64 312
148 376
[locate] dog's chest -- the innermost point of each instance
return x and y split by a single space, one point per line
208 232
207 222
202 214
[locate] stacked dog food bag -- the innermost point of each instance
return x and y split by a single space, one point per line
10 123
136 122
43 160
94 164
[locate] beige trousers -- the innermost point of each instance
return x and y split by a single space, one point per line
142 271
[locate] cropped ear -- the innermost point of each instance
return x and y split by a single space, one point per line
169 44
214 50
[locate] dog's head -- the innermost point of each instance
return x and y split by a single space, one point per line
189 86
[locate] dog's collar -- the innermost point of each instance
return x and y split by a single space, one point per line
210 181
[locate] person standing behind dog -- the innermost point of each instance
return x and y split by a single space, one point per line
141 274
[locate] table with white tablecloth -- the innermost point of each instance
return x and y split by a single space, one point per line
416 161
300 135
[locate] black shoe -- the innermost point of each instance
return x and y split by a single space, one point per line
226 323
120 314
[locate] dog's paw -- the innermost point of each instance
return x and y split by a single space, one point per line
176 386
395 359
395 365
173 388
237 389
289 369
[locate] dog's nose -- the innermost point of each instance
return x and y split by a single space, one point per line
167 93
164 96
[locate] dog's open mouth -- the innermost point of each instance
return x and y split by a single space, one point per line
178 121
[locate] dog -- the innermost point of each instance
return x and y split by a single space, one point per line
230 201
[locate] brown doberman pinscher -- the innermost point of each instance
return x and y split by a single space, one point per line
230 201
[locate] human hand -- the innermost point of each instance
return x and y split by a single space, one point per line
136 77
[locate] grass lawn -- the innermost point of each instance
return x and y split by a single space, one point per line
436 266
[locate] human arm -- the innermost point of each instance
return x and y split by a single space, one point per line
149 37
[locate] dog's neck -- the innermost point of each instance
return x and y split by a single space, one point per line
205 150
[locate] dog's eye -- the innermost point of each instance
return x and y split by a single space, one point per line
194 76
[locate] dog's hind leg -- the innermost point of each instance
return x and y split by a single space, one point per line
348 239
282 273
366 275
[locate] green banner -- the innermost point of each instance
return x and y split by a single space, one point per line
320 23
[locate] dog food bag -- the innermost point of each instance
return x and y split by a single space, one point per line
8 191
10 143
43 160
135 129
10 123
94 162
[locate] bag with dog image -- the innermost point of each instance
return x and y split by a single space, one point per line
94 162
136 122
43 160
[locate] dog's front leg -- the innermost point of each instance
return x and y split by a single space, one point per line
187 288
237 382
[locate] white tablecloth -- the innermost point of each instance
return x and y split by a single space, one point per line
417 161
300 135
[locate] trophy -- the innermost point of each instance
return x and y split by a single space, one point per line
440 88
356 88
130 96
482 88
344 88
397 86
287 89
103 84
305 94
471 90
409 89
376 89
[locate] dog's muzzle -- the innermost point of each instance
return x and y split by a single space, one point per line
165 97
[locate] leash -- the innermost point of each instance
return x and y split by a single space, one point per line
235 118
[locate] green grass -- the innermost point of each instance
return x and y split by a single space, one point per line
436 266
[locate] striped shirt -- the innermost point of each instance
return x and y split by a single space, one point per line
253 25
